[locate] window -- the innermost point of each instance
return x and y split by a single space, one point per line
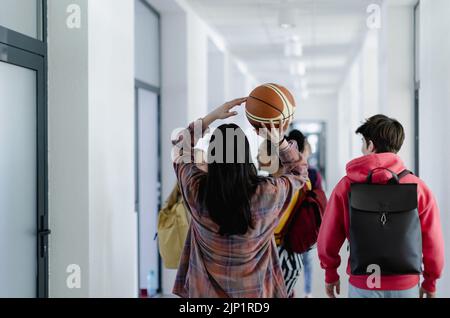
23 16
147 68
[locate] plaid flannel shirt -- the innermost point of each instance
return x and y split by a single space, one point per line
236 266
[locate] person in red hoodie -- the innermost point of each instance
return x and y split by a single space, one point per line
382 139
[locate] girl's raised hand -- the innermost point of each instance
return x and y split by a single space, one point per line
223 112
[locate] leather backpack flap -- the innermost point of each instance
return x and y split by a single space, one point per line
388 198
385 228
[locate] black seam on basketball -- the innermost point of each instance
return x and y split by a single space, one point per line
280 92
284 118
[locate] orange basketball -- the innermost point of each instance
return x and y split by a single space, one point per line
269 102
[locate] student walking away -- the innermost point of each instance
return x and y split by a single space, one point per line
313 204
230 250
314 174
173 221
173 226
291 263
390 218
298 228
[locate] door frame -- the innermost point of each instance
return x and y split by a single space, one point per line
157 90
23 51
139 85
416 89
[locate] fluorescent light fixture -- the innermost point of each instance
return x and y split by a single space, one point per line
298 68
293 47
287 17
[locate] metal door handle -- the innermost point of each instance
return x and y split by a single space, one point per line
44 233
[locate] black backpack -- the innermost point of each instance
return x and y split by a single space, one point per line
385 227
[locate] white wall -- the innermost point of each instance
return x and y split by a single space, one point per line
380 79
68 161
370 73
197 49
397 72
112 219
435 113
91 155
216 76
349 117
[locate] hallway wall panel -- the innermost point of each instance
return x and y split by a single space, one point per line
435 114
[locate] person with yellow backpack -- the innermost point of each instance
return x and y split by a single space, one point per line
173 222
173 226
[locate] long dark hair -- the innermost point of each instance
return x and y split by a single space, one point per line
231 181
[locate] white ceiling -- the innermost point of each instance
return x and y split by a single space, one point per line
331 32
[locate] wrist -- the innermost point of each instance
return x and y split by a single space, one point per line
207 120
283 144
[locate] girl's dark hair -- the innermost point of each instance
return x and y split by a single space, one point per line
298 136
231 181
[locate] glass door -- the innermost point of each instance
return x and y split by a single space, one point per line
18 268
148 172
148 185
23 221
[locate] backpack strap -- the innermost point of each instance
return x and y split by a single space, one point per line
401 175
369 177
404 173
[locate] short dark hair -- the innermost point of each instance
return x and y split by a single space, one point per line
299 138
387 134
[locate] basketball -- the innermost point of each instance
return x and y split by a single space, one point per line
269 102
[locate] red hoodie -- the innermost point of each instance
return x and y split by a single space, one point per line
335 225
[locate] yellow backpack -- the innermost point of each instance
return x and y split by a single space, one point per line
173 226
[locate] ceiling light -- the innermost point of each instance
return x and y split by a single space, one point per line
298 68
293 48
287 17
